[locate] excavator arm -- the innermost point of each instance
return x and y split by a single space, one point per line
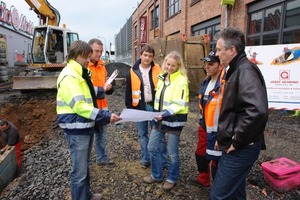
49 49
47 14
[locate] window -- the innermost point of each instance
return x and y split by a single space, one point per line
210 27
273 22
155 17
173 7
135 32
136 54
194 2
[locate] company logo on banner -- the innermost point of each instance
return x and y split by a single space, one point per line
143 30
10 18
280 66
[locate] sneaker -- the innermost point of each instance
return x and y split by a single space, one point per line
145 165
96 196
194 180
168 186
149 180
107 162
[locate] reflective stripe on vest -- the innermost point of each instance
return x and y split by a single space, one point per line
77 125
213 108
173 124
213 152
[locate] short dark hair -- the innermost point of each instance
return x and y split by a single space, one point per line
148 48
232 37
3 122
79 48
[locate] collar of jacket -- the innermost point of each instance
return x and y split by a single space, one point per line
75 66
206 81
174 75
234 63
99 64
137 64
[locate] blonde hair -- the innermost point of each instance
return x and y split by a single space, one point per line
176 56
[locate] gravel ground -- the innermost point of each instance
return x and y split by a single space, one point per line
46 163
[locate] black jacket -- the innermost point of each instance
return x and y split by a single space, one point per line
128 91
244 111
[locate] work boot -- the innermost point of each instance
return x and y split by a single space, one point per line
194 180
168 186
149 180
203 179
145 165
107 162
96 196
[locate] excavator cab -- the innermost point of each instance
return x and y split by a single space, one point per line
50 45
48 56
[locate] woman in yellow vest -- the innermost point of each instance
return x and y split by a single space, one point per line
172 97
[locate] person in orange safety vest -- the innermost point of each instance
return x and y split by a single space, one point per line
140 92
99 76
210 98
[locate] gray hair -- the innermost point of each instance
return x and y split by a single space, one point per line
232 37
95 40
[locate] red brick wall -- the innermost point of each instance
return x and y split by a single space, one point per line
191 15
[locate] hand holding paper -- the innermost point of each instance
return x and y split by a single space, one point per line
111 78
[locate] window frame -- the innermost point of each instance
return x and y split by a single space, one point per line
171 6
156 12
263 35
203 28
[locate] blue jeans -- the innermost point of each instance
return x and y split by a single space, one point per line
80 151
233 168
100 144
156 156
142 129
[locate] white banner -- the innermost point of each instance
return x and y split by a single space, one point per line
280 66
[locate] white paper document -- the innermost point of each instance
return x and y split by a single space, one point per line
133 115
111 78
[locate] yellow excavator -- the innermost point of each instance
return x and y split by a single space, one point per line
48 50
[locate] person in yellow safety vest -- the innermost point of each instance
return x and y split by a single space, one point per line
210 98
171 98
99 76
76 113
141 83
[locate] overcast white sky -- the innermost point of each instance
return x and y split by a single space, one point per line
90 18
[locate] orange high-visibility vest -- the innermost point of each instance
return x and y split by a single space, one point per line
213 107
99 76
136 83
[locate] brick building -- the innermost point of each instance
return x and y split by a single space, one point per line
264 22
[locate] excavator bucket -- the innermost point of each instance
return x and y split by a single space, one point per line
34 82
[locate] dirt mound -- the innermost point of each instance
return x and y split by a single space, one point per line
123 69
33 114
